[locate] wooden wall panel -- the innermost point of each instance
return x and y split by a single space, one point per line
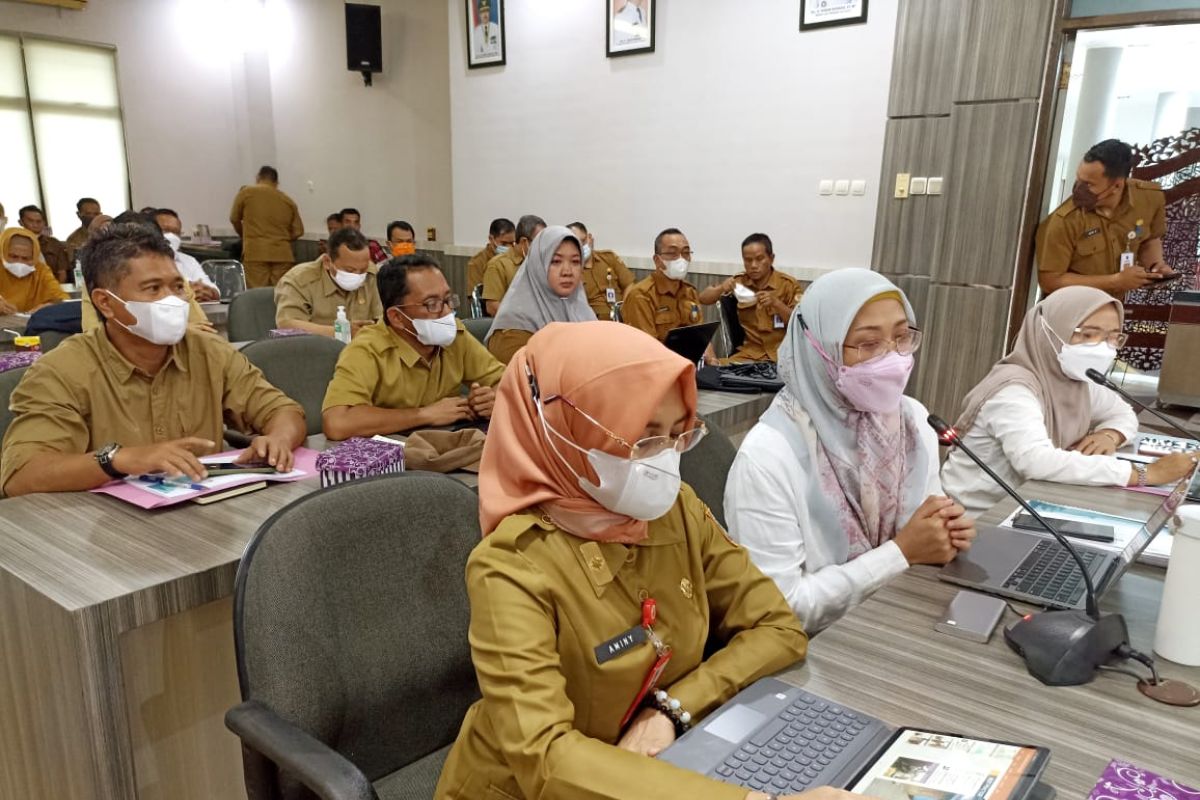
985 187
928 33
1004 48
908 233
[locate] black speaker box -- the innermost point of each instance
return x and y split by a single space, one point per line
364 43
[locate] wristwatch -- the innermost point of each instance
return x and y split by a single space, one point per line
1140 469
104 457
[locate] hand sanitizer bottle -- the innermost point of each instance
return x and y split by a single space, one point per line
341 326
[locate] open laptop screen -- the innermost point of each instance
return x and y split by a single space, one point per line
1157 520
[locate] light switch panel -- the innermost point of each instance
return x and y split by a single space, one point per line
902 179
917 186
825 187
934 186
858 187
841 187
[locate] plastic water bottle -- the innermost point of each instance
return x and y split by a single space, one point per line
341 326
78 275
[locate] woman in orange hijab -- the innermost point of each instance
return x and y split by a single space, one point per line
26 283
600 576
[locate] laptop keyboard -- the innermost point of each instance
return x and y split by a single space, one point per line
796 750
1050 573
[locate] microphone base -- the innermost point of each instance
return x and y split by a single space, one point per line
1065 648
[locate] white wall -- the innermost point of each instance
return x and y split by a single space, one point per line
212 89
726 129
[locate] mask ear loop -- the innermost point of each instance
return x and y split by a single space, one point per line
831 368
535 392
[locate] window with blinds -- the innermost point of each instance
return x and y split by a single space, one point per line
60 129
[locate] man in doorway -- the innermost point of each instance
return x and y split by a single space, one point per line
501 270
54 252
1108 235
268 222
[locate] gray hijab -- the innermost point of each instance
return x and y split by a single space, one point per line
530 304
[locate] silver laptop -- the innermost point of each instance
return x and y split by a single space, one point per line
1034 568
774 737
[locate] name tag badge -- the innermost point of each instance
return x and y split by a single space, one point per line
779 323
1126 260
620 644
1091 233
610 295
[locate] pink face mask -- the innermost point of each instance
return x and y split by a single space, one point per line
873 387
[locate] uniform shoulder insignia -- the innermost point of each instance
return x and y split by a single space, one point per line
711 518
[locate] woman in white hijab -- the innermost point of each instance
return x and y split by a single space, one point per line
835 491
1036 416
547 288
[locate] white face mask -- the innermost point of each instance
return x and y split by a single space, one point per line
501 249
677 269
159 322
744 294
643 488
173 240
1076 359
587 252
18 269
438 332
349 281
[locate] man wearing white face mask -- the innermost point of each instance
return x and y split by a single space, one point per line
142 393
409 370
665 301
1036 416
172 228
308 296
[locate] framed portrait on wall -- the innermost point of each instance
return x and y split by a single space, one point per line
815 14
630 26
485 33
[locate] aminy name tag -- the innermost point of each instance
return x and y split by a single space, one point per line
619 644
610 295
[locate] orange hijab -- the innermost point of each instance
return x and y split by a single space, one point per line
615 373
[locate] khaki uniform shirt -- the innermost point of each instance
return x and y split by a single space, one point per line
543 600
764 329
75 241
35 289
505 344
607 271
90 320
500 273
380 368
85 394
658 305
269 221
477 265
308 293
1088 243
56 257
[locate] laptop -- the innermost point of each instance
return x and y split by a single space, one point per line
777 738
691 341
1146 447
1034 568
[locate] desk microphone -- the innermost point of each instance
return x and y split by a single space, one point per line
1060 648
1099 377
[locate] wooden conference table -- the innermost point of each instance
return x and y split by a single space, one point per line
884 658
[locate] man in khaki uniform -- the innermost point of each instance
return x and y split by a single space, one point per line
769 296
87 209
502 235
268 222
1109 234
408 370
664 301
54 252
605 276
308 296
141 393
501 270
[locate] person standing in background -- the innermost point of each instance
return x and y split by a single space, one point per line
268 222
87 209
54 252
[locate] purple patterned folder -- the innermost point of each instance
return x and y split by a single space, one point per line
1122 781
359 458
18 359
280 333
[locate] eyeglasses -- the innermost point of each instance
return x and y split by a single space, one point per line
1092 336
651 445
904 344
434 305
671 255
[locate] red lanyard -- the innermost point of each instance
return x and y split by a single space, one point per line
649 617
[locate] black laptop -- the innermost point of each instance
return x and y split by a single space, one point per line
691 341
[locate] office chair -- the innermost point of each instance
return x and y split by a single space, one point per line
252 314
227 274
615 313
350 627
731 327
478 327
299 366
477 305
706 467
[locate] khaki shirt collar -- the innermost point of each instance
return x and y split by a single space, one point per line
601 561
664 285
123 368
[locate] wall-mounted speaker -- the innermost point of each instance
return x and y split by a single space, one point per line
364 41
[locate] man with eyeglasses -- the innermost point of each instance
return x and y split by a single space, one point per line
408 370
500 271
664 301
1108 234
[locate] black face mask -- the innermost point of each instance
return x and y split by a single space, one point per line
1084 197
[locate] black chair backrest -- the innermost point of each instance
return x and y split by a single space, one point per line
8 381
299 366
706 467
252 314
351 615
733 325
478 327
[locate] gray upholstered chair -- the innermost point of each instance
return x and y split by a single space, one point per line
252 314
8 381
478 327
300 367
706 467
350 624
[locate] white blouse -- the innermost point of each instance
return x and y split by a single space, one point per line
1009 435
767 513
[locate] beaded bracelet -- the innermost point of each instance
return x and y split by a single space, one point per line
661 701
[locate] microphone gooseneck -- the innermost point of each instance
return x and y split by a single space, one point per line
1099 377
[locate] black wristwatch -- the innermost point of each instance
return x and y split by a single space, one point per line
104 457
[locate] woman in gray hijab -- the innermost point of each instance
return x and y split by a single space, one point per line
547 288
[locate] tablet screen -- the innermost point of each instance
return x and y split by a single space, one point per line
920 765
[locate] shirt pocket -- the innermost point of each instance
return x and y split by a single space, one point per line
1090 246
